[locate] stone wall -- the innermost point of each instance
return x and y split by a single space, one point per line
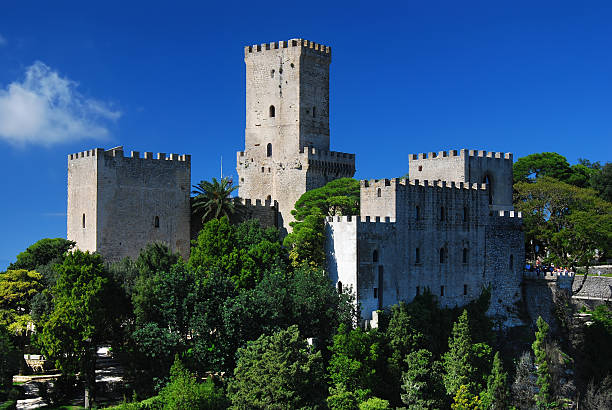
468 166
595 287
453 245
137 201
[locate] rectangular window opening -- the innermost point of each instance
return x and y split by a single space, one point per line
465 289
441 290
375 293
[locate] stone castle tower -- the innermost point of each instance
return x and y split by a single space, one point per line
287 125
117 205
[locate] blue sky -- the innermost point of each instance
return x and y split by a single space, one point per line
406 77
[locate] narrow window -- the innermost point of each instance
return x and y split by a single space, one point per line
418 290
465 214
269 150
339 287
465 289
263 169
375 256
418 213
511 262
381 287
465 255
156 222
272 111
378 193
314 112
441 290
272 74
83 221
442 255
420 168
417 256
375 293
487 180
442 213
241 179
269 198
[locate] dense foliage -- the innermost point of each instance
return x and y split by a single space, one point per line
306 243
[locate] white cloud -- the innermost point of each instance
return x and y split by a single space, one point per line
47 109
2 40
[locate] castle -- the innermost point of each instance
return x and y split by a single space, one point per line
450 227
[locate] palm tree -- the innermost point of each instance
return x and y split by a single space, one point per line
213 199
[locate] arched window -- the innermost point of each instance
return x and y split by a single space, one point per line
269 150
272 111
272 73
375 256
442 255
511 262
465 255
314 112
378 193
156 222
487 180
83 221
442 213
339 287
269 198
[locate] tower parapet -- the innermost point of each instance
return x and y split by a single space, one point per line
468 166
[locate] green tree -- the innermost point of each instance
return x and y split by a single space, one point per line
374 403
213 199
18 287
307 241
569 223
533 166
338 197
244 251
496 396
185 392
9 359
357 362
465 400
85 313
305 297
41 253
465 363
543 397
277 372
422 382
602 182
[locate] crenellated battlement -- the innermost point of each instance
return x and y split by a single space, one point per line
463 153
509 214
294 42
361 219
312 152
403 182
259 202
118 152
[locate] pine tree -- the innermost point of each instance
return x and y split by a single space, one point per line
496 395
457 364
543 397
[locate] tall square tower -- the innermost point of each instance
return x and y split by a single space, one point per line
117 205
287 125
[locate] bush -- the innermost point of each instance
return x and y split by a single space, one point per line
184 391
374 403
